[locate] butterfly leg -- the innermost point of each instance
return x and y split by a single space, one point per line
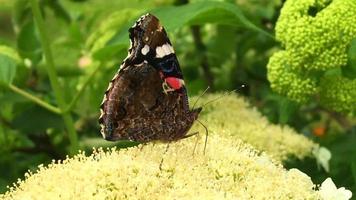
166 88
206 134
142 145
196 142
160 164
195 133
190 135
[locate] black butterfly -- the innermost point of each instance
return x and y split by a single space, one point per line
147 99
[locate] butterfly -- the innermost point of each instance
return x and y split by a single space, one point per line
147 99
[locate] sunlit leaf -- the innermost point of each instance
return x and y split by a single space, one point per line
10 52
174 17
58 10
21 13
8 61
114 24
204 12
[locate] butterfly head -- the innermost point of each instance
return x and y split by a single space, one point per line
195 113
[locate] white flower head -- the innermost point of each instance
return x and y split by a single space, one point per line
322 156
328 191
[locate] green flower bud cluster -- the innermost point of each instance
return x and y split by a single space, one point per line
338 93
316 36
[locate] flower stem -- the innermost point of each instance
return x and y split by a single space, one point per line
35 99
67 118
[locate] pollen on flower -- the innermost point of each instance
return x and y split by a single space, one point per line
229 169
234 116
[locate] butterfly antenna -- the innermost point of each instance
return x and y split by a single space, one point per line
196 101
206 134
226 93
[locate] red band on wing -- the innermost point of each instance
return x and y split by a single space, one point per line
174 82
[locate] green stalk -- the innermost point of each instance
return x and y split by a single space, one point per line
34 99
68 121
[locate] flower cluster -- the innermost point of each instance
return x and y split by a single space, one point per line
233 116
316 36
338 93
229 169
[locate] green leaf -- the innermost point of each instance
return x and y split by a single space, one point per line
115 24
21 13
8 62
110 51
28 43
204 12
286 110
58 10
37 120
174 17
10 52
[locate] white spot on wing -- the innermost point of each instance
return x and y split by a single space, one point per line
104 99
159 52
101 113
130 44
102 130
164 50
182 81
109 87
145 49
116 75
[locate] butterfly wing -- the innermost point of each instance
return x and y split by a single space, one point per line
130 97
150 43
147 99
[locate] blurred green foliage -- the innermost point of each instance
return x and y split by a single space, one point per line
222 44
